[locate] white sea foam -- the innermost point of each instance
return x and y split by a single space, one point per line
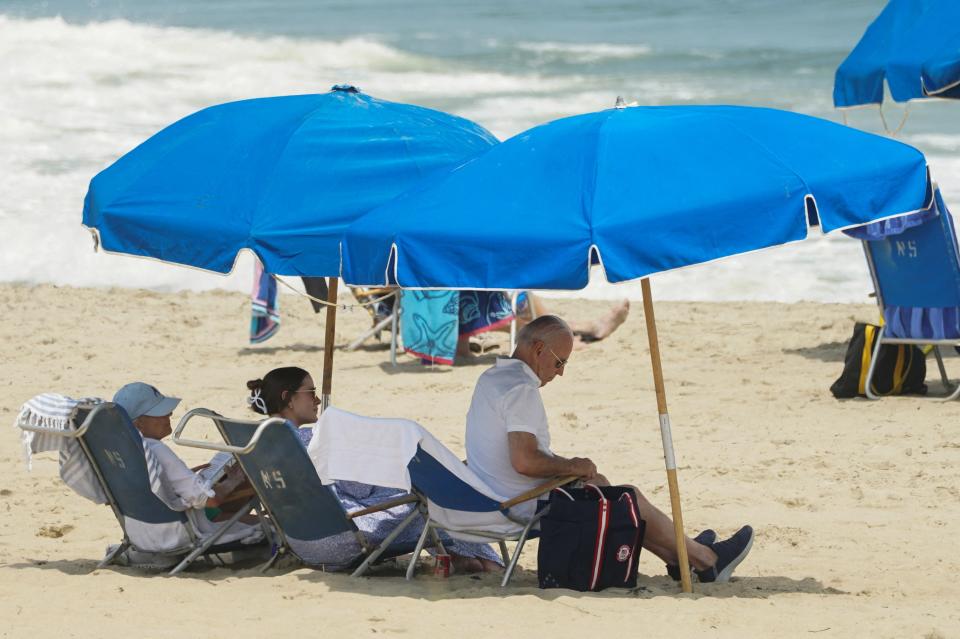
934 141
581 52
824 269
76 97
506 115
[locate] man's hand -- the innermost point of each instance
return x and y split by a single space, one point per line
582 467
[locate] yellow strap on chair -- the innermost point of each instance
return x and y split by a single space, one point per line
898 373
868 334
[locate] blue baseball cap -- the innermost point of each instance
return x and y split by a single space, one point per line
140 399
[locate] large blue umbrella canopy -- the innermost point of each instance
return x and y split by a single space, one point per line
914 45
640 190
281 176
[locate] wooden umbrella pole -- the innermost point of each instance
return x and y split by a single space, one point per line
667 436
328 343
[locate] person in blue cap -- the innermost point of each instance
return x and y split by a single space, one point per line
150 411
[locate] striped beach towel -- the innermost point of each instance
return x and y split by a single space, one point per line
54 411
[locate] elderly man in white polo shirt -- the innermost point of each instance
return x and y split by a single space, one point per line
508 446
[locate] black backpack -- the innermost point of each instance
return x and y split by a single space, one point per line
901 368
590 539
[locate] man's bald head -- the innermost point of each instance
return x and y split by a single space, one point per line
546 328
544 345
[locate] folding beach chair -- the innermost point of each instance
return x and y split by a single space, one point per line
380 322
442 487
403 454
303 511
114 448
916 275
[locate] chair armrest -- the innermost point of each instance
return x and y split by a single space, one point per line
390 503
542 489
224 448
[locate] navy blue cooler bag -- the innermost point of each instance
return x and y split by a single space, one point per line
590 539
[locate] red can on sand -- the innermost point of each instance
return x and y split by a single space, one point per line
442 567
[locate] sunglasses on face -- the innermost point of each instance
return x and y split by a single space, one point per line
312 391
560 363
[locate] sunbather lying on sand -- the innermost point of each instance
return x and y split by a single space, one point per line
532 306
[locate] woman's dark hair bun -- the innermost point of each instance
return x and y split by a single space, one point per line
270 395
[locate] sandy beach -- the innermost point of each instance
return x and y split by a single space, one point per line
855 503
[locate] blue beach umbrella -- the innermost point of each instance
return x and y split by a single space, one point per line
914 45
280 176
639 190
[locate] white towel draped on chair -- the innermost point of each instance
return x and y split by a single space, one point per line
376 451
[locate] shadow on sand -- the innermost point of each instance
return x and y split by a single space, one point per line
828 352
408 364
274 350
234 565
387 580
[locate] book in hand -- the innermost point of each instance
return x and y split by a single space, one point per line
217 468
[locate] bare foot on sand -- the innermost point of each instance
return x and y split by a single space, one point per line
613 320
605 326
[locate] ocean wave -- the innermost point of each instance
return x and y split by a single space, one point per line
935 141
77 96
171 44
582 53
506 115
825 269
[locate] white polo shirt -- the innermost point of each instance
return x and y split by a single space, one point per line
505 400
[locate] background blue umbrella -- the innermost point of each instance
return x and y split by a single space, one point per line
279 176
640 190
914 45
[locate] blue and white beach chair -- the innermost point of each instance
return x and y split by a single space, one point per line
443 488
916 274
402 454
308 518
114 449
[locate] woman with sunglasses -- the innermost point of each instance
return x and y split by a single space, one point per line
290 393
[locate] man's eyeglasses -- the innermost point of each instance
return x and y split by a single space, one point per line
560 363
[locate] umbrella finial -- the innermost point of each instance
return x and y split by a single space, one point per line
346 88
621 103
